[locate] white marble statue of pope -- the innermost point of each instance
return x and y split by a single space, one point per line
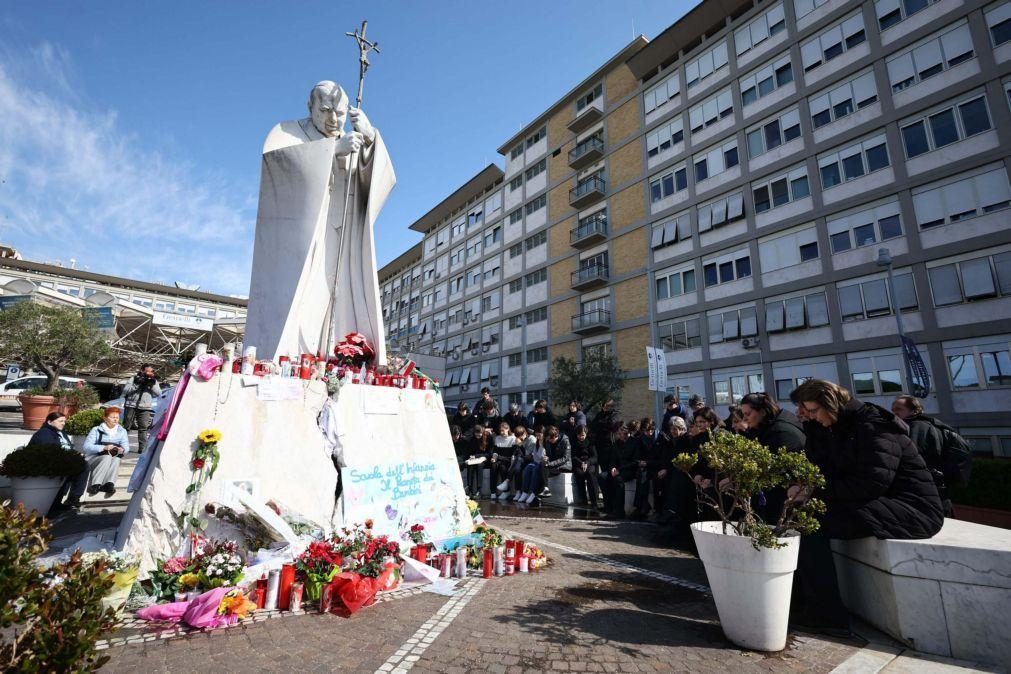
303 183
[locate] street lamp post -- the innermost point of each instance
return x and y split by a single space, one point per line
885 260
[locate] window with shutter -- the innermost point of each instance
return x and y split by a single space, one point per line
875 298
774 317
977 279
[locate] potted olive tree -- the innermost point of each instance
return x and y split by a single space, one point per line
749 562
37 472
52 340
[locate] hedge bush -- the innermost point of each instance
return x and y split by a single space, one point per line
42 461
989 486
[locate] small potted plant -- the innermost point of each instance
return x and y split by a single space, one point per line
317 566
749 562
420 549
37 472
71 400
80 424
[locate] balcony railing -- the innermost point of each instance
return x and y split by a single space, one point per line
591 321
586 152
590 230
591 275
587 191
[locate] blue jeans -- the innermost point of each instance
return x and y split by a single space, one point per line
532 479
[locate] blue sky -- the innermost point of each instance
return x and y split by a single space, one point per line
130 132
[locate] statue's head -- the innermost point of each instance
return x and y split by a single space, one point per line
328 107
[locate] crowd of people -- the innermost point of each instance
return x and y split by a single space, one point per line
883 468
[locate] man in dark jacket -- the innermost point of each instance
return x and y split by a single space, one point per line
926 434
584 469
514 417
541 417
600 425
674 408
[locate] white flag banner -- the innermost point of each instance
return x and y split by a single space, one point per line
651 366
661 369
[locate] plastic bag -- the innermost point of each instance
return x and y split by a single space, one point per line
353 591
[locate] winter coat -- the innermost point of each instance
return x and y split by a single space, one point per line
48 435
876 482
572 421
542 419
678 411
489 420
583 451
140 397
101 435
625 458
600 426
560 455
781 431
514 420
667 447
928 439
464 422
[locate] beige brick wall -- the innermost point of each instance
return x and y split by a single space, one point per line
623 121
558 167
632 343
558 239
628 252
564 350
561 317
626 163
637 401
558 132
559 278
558 202
631 299
627 207
619 83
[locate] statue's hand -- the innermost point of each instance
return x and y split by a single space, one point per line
348 143
362 125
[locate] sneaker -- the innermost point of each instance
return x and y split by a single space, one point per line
494 497
72 504
521 497
502 486
530 498
93 489
546 493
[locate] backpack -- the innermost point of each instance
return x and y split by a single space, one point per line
956 455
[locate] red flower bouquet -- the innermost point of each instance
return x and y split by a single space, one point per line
354 350
317 565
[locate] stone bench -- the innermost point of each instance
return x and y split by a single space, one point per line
949 595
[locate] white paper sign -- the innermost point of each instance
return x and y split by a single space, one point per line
651 366
279 388
661 369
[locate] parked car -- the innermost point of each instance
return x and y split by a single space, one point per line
9 391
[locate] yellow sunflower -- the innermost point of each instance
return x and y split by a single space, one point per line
189 580
209 436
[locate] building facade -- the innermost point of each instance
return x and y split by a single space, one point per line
724 191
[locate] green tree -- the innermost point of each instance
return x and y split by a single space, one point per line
592 382
52 340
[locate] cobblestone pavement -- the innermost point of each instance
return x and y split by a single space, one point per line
615 599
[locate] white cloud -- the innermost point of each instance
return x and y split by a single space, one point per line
75 185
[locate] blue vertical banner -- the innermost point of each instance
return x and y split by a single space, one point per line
921 378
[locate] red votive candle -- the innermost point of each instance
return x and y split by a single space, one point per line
489 563
284 592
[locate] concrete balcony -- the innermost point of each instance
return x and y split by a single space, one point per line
587 192
592 321
586 152
591 230
589 277
585 118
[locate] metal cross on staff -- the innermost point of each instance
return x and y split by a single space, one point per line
364 47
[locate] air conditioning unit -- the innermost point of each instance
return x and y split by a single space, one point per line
456 354
750 342
474 351
493 381
464 387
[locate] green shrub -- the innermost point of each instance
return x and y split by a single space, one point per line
82 422
50 619
989 486
85 396
42 461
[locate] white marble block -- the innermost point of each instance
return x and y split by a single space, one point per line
949 595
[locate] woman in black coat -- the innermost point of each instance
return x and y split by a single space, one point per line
876 482
778 430
52 433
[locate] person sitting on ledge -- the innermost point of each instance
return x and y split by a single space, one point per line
876 484
103 450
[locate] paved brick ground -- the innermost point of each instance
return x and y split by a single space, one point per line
607 604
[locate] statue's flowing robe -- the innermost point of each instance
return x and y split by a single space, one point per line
298 230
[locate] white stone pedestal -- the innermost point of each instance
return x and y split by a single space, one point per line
275 448
949 595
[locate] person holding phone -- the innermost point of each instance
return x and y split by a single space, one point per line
103 450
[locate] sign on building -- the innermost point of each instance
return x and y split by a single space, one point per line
10 300
182 321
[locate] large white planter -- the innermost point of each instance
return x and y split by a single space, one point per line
751 587
36 493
